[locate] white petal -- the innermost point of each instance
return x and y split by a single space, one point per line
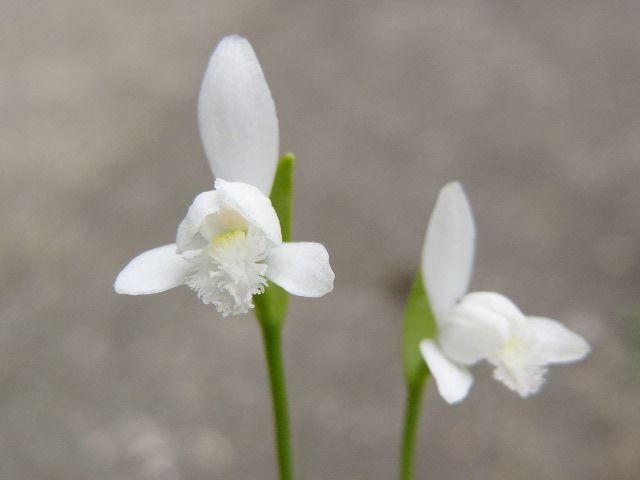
556 343
499 305
454 381
476 329
253 205
301 268
153 271
237 116
203 205
447 253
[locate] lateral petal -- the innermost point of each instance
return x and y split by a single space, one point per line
153 271
237 116
301 268
453 381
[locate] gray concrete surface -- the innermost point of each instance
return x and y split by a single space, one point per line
534 106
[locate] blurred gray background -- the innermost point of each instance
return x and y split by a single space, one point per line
534 106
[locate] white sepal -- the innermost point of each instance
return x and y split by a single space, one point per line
556 343
153 271
237 116
301 268
447 253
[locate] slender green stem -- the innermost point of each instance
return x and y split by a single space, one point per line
272 337
411 417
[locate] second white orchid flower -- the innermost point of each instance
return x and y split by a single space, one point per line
480 326
230 242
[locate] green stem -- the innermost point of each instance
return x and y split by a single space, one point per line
272 337
411 417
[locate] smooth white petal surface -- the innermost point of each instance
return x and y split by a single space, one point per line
454 381
301 268
498 304
153 271
474 330
555 343
205 204
253 205
447 253
237 116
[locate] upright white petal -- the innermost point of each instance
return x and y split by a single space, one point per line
253 205
447 253
454 381
237 116
555 343
153 271
301 268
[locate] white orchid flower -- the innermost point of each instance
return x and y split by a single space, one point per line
483 325
230 243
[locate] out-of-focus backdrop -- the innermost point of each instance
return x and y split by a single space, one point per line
534 106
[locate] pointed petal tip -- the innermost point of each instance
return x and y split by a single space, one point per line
455 192
117 286
454 187
233 37
233 44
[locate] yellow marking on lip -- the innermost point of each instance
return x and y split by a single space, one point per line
224 240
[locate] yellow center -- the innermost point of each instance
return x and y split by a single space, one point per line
223 241
512 345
